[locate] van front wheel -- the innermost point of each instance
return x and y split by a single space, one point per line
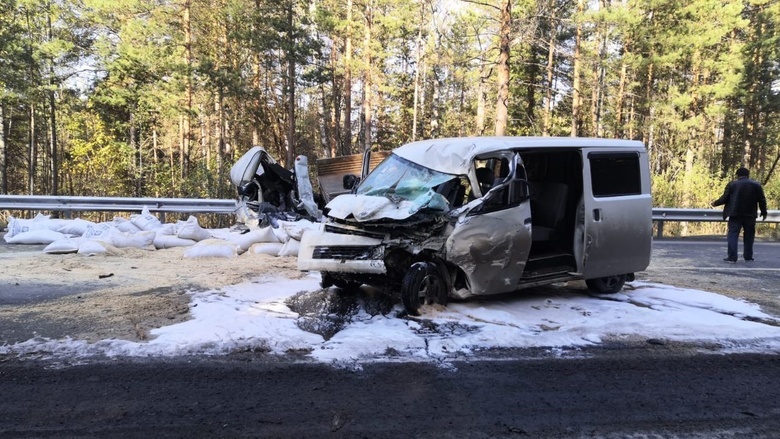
422 285
606 285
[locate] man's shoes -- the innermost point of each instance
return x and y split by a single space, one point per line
749 260
730 261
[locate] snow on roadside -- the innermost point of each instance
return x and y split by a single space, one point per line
254 316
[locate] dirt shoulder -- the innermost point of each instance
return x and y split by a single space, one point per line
121 295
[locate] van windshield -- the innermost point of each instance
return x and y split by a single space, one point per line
399 179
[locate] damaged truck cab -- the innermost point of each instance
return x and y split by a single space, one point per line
463 217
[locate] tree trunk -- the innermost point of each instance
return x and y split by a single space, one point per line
53 163
203 122
504 36
326 126
182 175
647 133
220 130
336 109
188 88
621 97
3 153
417 57
548 98
54 166
423 104
32 153
347 132
597 93
290 88
131 135
435 97
156 161
575 88
481 102
367 117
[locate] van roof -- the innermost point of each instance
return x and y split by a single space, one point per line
454 155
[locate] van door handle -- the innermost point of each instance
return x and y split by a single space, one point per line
527 221
596 214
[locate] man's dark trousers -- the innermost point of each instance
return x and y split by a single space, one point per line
737 223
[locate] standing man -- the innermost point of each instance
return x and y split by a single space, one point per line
741 198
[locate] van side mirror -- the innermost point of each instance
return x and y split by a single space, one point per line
350 181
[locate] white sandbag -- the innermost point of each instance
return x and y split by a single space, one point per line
75 227
281 234
99 231
145 221
125 225
143 240
63 246
91 247
213 248
44 236
167 229
17 225
295 229
190 229
265 248
170 241
290 248
246 240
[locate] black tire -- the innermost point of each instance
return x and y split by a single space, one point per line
606 285
422 285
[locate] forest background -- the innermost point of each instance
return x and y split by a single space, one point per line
160 97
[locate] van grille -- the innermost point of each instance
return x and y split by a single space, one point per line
350 231
343 252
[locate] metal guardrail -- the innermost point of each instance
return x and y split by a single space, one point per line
663 214
67 204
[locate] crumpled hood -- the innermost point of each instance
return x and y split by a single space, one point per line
372 208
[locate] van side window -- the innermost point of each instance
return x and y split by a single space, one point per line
615 174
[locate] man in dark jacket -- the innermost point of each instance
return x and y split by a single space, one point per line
741 198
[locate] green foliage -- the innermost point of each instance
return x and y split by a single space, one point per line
695 189
153 98
97 164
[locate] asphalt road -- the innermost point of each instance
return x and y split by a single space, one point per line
610 396
611 391
699 264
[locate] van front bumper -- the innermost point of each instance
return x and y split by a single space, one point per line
340 253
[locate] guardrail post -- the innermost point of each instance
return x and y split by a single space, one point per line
660 231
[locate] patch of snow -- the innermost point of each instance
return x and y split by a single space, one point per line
255 316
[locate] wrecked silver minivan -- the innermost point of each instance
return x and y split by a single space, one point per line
462 217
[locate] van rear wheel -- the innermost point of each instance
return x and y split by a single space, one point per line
422 285
606 285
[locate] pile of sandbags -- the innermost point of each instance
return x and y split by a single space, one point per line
146 231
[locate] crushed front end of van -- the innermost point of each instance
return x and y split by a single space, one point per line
399 215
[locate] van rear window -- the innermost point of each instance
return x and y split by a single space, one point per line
615 174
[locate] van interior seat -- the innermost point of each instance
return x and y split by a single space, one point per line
548 208
485 179
453 191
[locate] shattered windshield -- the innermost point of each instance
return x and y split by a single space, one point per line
399 179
